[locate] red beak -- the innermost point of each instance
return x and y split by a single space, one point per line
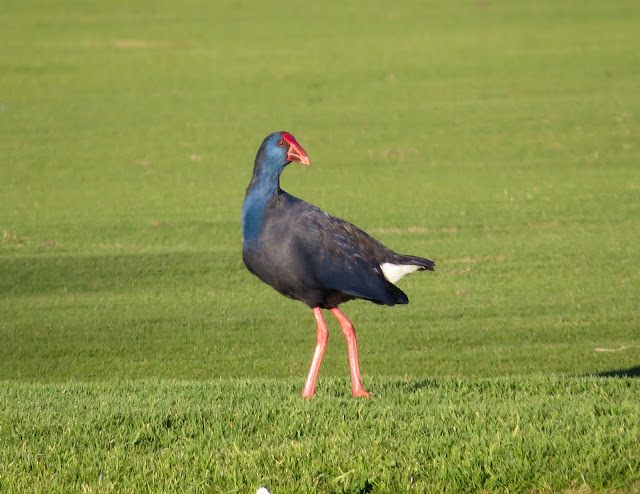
295 153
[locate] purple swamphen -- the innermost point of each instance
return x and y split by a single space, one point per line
308 255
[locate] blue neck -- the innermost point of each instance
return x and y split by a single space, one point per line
264 184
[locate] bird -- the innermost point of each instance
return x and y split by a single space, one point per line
309 255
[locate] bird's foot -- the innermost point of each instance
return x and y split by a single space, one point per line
361 393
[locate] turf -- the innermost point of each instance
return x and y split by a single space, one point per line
500 435
499 139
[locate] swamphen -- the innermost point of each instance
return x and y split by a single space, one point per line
308 255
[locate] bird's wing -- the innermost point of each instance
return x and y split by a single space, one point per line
343 257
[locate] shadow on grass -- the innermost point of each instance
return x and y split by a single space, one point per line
49 274
631 372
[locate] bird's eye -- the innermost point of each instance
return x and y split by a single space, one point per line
281 142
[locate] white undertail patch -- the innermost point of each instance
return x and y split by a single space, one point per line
395 272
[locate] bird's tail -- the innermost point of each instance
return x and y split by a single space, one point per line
395 269
416 261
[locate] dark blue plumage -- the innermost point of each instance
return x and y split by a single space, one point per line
307 254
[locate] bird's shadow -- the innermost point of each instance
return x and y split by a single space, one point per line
631 372
415 386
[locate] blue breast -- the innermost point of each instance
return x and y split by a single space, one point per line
252 213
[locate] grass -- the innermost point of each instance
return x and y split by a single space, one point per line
499 139
541 434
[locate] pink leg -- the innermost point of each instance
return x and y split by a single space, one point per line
321 343
352 346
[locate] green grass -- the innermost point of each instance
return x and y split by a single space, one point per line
500 435
500 139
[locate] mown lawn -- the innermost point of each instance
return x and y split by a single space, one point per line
443 435
498 138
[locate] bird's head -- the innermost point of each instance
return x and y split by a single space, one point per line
279 149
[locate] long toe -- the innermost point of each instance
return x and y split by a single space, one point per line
361 393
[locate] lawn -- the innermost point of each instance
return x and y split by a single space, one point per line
500 139
498 435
